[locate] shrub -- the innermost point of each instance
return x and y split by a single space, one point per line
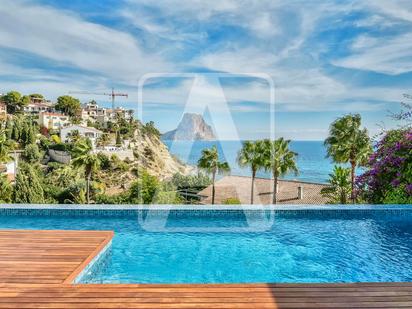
339 190
231 201
105 162
143 190
389 177
167 197
193 182
111 199
59 147
32 153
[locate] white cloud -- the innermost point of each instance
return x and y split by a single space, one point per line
386 52
397 9
389 56
66 38
279 42
252 92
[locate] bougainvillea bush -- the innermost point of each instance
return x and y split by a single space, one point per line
388 179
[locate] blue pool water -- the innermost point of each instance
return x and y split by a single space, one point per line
299 247
311 161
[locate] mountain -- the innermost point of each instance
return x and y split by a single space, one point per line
192 127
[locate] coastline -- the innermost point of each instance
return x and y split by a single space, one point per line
312 163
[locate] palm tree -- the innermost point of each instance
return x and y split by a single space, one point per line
84 158
280 160
209 161
252 155
74 136
348 143
340 186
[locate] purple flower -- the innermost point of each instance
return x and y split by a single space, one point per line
396 182
409 189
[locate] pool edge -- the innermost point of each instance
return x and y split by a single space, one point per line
88 264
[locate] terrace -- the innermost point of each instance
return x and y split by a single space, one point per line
40 268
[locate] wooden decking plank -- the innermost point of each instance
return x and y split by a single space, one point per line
49 256
38 267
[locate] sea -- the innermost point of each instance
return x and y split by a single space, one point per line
311 160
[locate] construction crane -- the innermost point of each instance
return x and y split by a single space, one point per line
112 94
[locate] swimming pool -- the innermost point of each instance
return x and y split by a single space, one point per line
311 245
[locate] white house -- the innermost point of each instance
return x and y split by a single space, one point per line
91 133
9 169
53 121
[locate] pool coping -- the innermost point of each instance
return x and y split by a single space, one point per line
89 263
114 207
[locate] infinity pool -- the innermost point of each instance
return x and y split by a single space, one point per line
218 247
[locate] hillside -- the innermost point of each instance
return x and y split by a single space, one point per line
153 155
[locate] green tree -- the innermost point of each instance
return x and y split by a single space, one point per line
83 157
340 186
14 101
118 139
349 143
36 96
27 136
150 129
252 155
279 160
32 153
68 105
28 188
16 131
9 129
209 161
143 190
6 190
4 148
64 176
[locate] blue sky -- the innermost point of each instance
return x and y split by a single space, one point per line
326 58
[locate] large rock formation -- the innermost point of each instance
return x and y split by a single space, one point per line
192 127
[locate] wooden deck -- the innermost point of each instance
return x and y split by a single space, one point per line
47 256
37 268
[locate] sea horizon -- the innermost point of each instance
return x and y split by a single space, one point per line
313 165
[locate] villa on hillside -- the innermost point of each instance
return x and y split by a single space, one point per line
93 112
53 121
90 111
88 132
38 105
290 191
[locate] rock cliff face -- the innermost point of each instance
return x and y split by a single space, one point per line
151 154
154 156
192 127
